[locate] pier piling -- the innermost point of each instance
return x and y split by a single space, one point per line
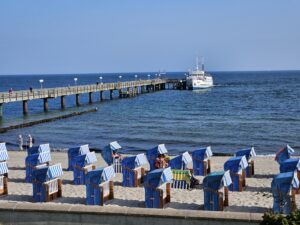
101 95
77 99
111 94
25 107
62 102
90 97
46 105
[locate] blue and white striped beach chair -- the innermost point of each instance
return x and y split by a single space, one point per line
3 178
284 154
152 154
3 152
46 183
82 165
76 151
107 154
282 185
158 188
214 198
201 161
237 166
38 149
99 185
249 153
132 170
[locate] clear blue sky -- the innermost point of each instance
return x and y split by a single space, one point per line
73 36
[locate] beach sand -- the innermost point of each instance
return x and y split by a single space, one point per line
256 197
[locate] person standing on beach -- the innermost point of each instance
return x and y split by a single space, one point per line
30 141
20 142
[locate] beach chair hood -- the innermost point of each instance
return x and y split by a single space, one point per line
290 165
283 182
80 150
3 168
38 158
248 153
3 152
134 161
48 173
180 161
284 154
108 150
39 149
87 159
159 176
202 153
217 180
236 164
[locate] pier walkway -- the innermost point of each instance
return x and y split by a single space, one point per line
125 89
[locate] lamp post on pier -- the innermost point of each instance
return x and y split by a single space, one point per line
100 78
75 80
41 82
135 77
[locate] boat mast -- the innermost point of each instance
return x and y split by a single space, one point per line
202 59
197 62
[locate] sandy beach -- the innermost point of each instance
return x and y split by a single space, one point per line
255 198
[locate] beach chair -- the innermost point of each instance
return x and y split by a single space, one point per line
237 166
38 149
107 154
82 165
152 154
99 185
214 197
3 178
46 183
181 179
284 153
201 161
158 188
290 165
3 155
180 162
284 187
36 161
76 151
132 170
249 154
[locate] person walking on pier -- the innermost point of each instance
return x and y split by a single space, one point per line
20 142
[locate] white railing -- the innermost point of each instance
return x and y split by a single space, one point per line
117 165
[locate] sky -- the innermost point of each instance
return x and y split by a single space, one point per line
111 36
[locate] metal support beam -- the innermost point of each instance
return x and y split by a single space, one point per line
90 97
62 102
77 99
46 105
25 107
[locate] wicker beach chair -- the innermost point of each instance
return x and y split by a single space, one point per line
38 149
237 166
3 178
282 185
214 197
152 154
284 153
76 151
291 165
158 188
82 165
180 162
107 154
3 155
46 183
132 170
249 154
36 161
99 185
201 161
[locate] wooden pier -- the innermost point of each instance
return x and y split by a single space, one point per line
125 89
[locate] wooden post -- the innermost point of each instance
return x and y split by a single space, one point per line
226 200
62 102
101 95
90 97
111 94
46 105
77 99
120 93
25 107
1 110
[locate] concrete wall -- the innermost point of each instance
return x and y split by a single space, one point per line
53 213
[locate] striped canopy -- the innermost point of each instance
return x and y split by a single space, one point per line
44 157
84 149
167 175
115 145
55 171
140 159
162 149
186 158
3 155
90 157
3 147
3 168
226 179
44 148
108 173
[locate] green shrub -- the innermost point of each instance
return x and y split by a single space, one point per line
279 219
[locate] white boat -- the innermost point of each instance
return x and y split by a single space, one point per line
199 79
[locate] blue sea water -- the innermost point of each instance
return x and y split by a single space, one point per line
260 109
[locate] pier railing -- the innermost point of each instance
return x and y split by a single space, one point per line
23 95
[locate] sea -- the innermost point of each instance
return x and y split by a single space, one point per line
243 109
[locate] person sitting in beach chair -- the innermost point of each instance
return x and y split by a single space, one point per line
132 170
46 183
3 178
82 165
111 156
237 166
158 188
201 161
38 149
153 153
249 154
284 154
99 185
282 185
214 198
36 161
76 151
181 162
160 162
